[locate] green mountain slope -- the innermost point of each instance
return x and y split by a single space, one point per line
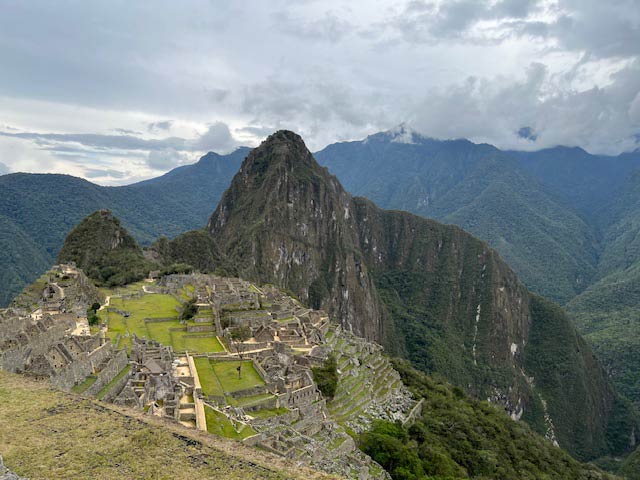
104 250
456 437
428 291
630 469
22 259
481 189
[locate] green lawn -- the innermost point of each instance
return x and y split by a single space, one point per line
197 344
81 387
217 378
187 292
219 424
268 412
252 400
208 378
115 380
154 305
228 375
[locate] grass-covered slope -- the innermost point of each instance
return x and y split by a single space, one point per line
104 250
195 248
608 314
458 437
47 434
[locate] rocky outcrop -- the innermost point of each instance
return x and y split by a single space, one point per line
430 292
6 474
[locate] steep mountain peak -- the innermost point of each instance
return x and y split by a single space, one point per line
104 250
283 146
401 133
275 177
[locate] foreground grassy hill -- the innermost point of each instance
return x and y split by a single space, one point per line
48 434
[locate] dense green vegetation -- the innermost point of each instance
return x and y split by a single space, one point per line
630 469
458 437
104 251
481 189
608 313
195 248
326 377
562 374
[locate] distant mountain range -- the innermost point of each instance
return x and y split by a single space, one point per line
566 221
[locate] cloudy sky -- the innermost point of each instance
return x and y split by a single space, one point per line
117 91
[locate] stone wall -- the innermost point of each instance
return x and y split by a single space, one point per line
111 370
116 389
22 346
78 370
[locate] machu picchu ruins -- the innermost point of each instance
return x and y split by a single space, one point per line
211 353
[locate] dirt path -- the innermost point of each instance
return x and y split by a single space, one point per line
106 303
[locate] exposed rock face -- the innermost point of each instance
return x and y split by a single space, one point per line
285 220
430 292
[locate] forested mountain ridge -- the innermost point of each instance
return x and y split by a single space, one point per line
568 222
481 189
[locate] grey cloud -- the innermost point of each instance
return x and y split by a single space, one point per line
257 131
164 125
605 29
217 137
424 22
329 28
164 160
98 173
492 110
527 133
3 169
123 142
126 131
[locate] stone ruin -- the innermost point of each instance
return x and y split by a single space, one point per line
6 474
43 343
283 340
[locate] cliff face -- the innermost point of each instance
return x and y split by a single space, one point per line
427 291
285 220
